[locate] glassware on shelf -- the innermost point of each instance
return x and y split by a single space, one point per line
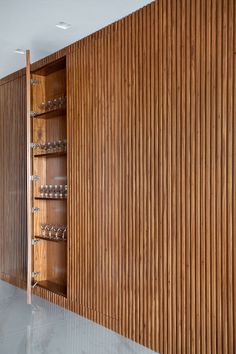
65 191
59 145
52 147
55 103
56 191
43 228
54 232
52 104
50 191
53 191
61 191
64 145
64 233
46 191
50 231
42 106
42 190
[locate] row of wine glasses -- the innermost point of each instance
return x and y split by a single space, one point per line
52 104
55 146
55 232
53 191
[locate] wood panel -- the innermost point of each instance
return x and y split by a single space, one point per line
151 134
29 188
151 156
13 232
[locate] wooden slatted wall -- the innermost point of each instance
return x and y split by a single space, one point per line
152 168
152 187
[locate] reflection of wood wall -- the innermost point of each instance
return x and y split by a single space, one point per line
152 152
13 240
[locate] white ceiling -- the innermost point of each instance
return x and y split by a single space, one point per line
32 24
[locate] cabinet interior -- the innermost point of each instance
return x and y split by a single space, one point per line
49 126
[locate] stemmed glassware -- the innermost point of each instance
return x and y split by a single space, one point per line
52 104
64 233
53 191
57 232
52 146
43 228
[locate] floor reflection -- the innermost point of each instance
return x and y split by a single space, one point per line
44 328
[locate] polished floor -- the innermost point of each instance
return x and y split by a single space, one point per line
44 328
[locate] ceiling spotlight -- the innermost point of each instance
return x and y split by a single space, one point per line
63 25
19 51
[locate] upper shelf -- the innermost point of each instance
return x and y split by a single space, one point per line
44 238
49 114
51 67
50 198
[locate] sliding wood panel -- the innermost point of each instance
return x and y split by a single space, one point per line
152 210
28 179
13 233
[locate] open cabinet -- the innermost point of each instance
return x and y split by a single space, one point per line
47 168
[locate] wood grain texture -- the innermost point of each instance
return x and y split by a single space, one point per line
151 109
151 156
49 258
13 212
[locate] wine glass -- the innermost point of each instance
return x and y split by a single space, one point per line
49 146
49 105
46 191
54 146
59 144
42 106
61 191
56 229
55 103
49 230
64 145
43 228
64 233
42 190
51 191
65 191
56 191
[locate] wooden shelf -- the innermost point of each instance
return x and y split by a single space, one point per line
51 154
50 239
51 114
52 67
44 198
58 289
49 258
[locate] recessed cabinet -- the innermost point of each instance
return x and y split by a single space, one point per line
48 179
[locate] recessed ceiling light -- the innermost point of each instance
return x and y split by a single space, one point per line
63 25
19 51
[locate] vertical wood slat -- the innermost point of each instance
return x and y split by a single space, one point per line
151 175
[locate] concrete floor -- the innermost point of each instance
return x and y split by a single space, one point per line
44 328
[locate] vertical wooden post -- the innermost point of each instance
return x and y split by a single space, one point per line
29 194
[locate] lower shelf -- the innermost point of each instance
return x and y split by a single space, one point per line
51 239
53 287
